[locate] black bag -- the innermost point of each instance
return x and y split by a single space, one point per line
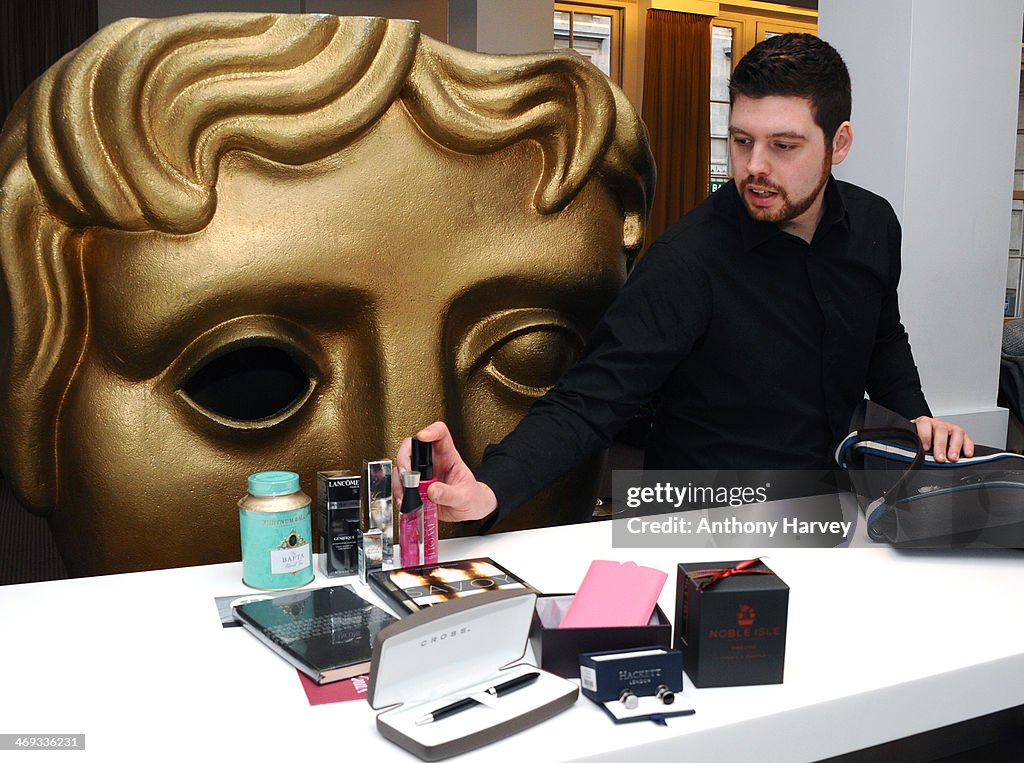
909 499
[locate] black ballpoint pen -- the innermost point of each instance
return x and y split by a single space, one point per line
497 691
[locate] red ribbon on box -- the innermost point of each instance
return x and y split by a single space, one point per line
713 576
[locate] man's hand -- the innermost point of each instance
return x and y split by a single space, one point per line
457 493
946 441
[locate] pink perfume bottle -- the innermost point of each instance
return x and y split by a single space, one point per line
423 462
410 522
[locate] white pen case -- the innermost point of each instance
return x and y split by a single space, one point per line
459 649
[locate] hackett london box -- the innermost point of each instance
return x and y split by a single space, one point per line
731 623
558 649
634 684
604 675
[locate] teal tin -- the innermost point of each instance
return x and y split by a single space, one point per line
274 519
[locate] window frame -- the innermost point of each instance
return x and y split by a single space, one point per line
617 36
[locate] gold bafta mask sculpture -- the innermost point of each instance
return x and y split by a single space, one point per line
236 242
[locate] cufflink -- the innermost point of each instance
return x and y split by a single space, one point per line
665 694
629 699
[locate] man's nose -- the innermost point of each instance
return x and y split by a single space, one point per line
758 161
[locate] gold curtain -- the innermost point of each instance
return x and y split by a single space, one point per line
677 112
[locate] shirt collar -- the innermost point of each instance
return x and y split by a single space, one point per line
754 232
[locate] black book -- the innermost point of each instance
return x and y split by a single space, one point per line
416 588
327 633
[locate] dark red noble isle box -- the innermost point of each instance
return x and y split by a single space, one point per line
731 631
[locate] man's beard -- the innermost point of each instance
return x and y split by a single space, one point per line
790 209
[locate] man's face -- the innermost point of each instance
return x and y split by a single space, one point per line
780 159
326 312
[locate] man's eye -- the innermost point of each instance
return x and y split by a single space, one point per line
249 384
784 146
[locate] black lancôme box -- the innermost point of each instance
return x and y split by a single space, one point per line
731 628
338 518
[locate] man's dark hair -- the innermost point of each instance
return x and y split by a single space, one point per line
800 65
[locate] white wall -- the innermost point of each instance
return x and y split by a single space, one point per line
501 26
432 14
514 26
935 90
490 26
462 23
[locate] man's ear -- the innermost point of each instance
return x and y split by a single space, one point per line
841 142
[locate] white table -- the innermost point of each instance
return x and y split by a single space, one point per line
881 644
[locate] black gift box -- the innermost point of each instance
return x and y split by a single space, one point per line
731 630
558 649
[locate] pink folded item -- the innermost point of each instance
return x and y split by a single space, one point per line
615 594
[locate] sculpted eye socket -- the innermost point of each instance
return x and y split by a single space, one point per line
526 350
533 361
251 372
248 384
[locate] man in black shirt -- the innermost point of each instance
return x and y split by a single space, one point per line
757 322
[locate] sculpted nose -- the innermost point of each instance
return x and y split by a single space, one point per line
412 391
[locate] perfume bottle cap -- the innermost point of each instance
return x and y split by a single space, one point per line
423 458
411 500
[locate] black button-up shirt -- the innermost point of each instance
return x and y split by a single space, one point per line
755 345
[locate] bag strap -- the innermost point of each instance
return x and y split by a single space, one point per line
880 512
